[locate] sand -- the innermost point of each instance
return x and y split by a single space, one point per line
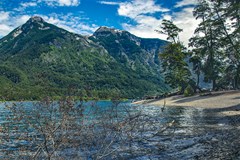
221 99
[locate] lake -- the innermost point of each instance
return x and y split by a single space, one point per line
106 130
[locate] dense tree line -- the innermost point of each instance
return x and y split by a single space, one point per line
215 47
216 41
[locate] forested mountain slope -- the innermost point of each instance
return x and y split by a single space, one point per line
39 59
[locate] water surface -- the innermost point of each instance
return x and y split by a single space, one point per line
184 132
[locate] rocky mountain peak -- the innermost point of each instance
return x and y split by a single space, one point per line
35 23
104 29
36 19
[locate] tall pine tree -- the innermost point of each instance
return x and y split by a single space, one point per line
206 42
175 68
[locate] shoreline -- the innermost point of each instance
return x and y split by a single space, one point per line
218 99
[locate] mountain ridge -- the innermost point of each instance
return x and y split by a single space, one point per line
39 59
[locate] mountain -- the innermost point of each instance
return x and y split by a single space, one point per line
39 59
134 52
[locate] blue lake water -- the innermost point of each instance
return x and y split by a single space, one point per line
189 133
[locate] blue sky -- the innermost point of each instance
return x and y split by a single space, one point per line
140 17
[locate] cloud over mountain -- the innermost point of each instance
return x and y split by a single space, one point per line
139 17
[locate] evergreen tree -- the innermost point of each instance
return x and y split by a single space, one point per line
175 68
216 41
206 41
228 16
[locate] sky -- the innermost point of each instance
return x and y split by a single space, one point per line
139 17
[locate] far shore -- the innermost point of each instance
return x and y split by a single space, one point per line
219 99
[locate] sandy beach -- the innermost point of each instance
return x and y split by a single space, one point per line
214 100
219 99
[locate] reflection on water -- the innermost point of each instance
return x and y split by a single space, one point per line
195 133
198 134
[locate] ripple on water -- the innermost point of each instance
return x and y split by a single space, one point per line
195 133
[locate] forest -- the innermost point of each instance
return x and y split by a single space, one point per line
213 50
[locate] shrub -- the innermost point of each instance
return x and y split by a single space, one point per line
189 91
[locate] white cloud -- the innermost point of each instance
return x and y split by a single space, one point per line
62 2
70 23
4 16
21 20
28 4
145 28
69 2
139 7
147 24
185 3
90 28
185 20
8 23
167 17
25 5
108 3
58 22
140 12
143 31
5 29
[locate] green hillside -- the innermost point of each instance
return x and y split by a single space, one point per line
39 59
